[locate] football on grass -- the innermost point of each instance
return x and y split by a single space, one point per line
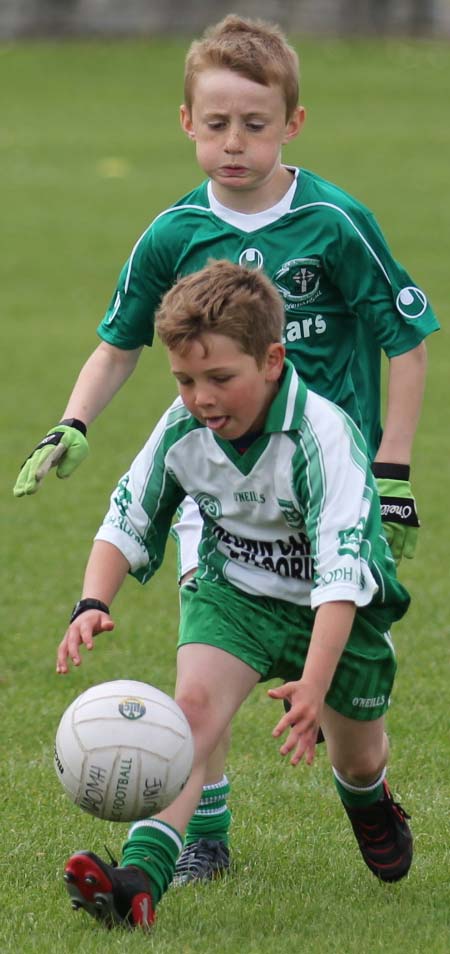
123 750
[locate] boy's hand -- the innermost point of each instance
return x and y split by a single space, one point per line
303 719
398 511
81 632
65 446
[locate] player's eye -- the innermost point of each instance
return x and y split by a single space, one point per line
221 378
256 127
216 124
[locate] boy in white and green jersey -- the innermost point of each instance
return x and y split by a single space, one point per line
346 299
295 577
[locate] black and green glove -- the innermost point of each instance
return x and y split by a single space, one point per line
64 447
398 508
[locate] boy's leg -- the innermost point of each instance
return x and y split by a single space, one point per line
205 854
211 685
358 752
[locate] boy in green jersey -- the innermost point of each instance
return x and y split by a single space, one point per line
295 578
346 299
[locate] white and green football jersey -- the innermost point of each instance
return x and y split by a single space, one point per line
345 296
295 517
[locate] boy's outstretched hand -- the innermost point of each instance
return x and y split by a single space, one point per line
303 719
64 447
81 632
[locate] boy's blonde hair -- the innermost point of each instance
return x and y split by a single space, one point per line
224 299
255 49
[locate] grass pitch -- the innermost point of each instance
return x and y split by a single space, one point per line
91 151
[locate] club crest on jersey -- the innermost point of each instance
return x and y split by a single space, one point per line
293 517
122 497
350 540
299 280
209 505
251 258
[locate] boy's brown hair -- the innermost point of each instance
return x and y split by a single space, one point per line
255 49
226 299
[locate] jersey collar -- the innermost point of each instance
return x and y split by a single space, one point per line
252 221
287 408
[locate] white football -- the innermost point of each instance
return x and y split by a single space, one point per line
123 750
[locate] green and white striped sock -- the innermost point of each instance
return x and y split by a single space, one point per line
358 796
212 817
154 846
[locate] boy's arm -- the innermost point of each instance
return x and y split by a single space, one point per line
105 572
66 446
126 327
406 387
131 539
100 378
382 294
332 625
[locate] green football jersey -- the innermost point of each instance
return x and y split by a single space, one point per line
346 298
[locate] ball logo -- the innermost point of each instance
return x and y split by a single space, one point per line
299 279
411 302
132 708
251 258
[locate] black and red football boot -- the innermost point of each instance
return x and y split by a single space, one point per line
383 836
108 893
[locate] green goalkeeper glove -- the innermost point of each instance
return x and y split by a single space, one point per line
64 447
398 509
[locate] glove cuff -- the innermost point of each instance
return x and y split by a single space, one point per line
391 471
74 422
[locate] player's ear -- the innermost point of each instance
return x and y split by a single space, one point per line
274 360
294 124
186 122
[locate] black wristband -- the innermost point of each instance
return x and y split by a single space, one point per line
74 422
391 471
87 604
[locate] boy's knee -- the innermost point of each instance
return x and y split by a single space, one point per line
360 760
197 706
363 769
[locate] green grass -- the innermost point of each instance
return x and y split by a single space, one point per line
90 151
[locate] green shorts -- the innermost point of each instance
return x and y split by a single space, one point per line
272 636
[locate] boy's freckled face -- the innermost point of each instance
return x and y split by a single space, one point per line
223 387
239 128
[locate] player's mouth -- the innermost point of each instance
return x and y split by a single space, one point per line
216 423
233 172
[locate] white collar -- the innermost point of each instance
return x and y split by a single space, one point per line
251 221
